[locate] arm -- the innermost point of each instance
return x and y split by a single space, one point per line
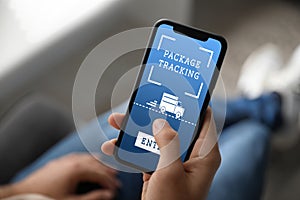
59 179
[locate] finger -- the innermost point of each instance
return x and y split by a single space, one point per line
104 179
95 195
205 157
207 140
115 120
168 143
106 167
93 171
207 120
108 147
146 177
209 145
88 158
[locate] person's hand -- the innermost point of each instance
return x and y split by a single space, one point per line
174 179
59 178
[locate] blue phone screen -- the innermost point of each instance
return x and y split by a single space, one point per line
173 86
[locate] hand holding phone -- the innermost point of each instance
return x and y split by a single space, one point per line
177 77
189 180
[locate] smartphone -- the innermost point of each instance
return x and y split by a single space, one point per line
177 76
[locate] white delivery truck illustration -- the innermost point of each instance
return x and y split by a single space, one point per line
171 104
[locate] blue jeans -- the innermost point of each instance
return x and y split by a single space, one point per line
244 146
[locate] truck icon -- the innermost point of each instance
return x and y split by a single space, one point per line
171 104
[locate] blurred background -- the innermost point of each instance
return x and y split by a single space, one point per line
43 44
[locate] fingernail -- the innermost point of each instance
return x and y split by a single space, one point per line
158 124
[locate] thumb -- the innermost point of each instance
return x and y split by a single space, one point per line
168 142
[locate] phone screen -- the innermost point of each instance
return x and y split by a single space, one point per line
178 70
